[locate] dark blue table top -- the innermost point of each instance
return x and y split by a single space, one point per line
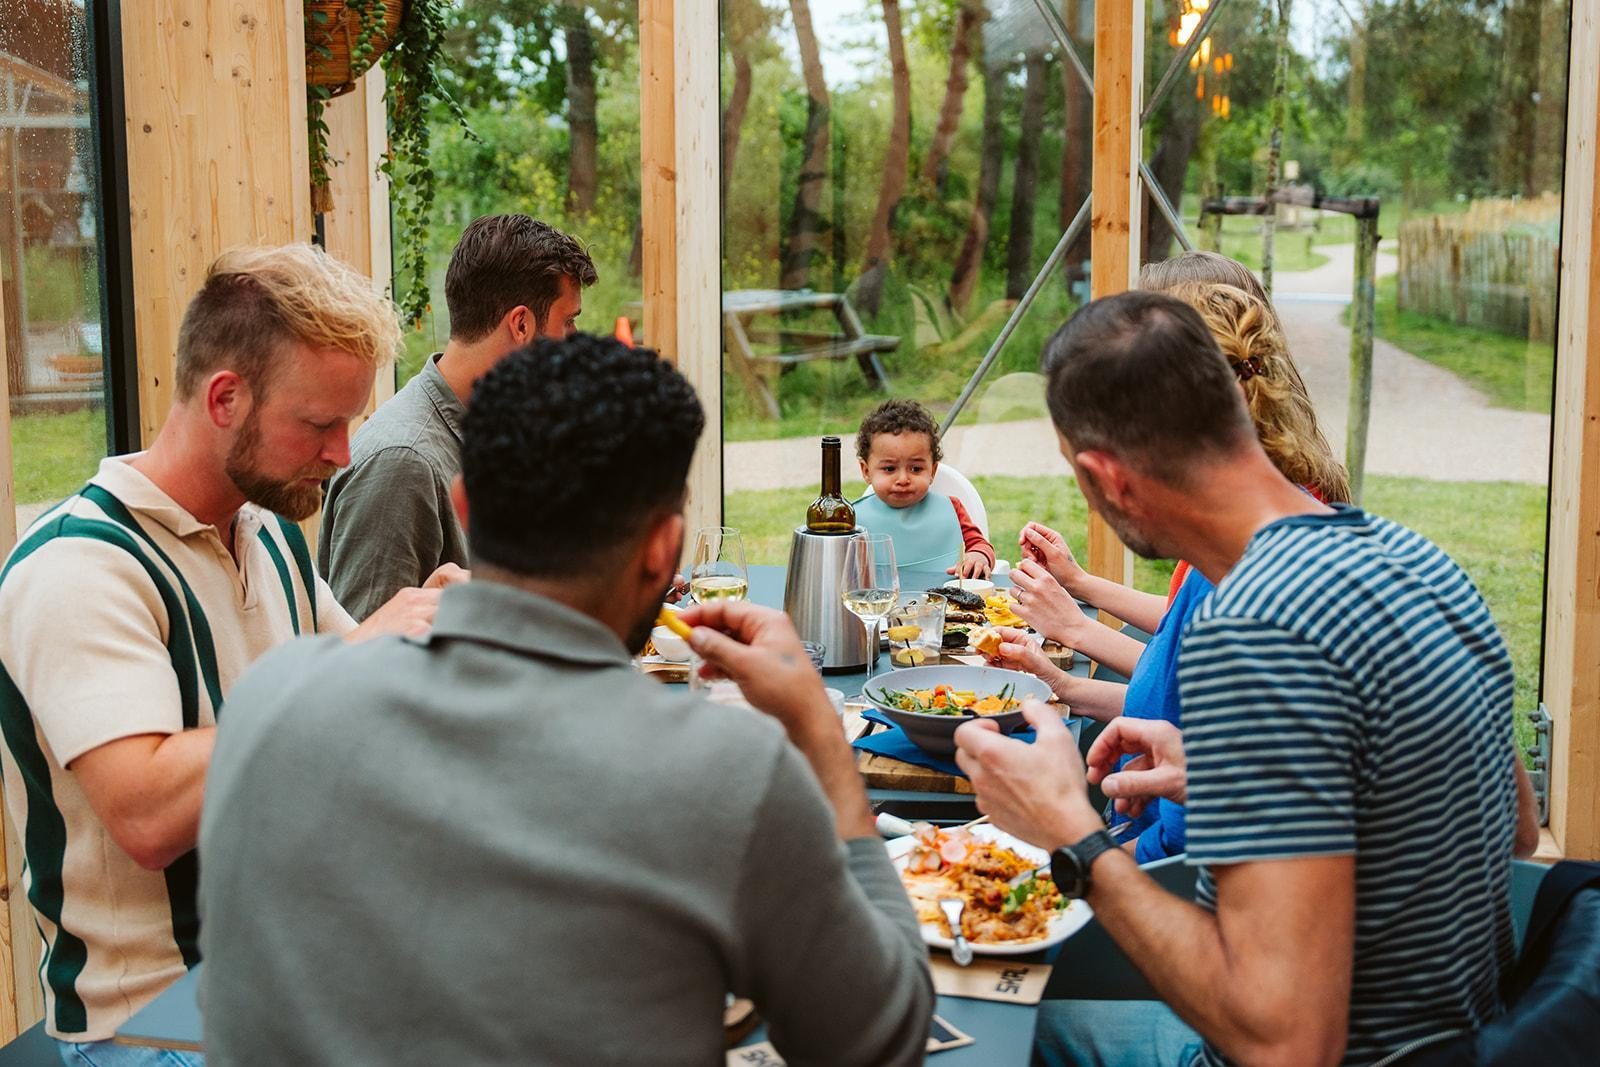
766 588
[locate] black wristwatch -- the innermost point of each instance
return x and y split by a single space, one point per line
1069 867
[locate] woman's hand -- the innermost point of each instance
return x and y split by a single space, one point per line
1048 548
1019 652
1046 606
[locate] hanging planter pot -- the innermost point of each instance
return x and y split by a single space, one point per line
344 38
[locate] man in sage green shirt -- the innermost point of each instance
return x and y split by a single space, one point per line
387 523
501 843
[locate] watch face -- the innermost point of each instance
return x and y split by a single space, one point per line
1066 870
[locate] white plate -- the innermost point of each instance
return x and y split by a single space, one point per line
1062 925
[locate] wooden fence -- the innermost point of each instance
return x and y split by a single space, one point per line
1495 266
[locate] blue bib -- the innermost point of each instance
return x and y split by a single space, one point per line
926 535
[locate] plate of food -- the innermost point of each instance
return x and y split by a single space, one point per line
929 703
978 867
970 615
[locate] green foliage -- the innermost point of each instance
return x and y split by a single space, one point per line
59 287
414 91
54 453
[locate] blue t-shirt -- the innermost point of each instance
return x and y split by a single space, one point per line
1153 694
1343 682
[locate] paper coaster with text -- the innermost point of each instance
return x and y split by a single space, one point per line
1007 981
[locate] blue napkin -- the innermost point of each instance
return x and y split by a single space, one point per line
894 743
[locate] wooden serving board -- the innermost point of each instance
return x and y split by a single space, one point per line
884 772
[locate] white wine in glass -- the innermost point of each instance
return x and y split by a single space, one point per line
871 585
719 571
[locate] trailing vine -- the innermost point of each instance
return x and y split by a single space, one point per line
412 66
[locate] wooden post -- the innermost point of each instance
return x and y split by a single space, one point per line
1361 315
1572 582
14 914
1114 221
356 231
1280 87
217 156
8 498
680 139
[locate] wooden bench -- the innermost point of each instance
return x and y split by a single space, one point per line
742 305
739 338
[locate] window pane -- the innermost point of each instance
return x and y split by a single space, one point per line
1452 115
49 252
551 93
895 178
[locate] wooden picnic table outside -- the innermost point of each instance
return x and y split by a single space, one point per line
740 336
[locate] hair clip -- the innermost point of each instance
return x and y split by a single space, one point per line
1247 368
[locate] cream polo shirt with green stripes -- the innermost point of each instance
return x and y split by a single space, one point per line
121 614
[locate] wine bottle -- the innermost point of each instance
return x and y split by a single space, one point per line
831 513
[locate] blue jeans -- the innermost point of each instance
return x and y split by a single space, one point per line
111 1054
1113 1033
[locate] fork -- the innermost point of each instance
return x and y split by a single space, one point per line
960 951
1117 832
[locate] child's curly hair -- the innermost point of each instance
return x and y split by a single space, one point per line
897 416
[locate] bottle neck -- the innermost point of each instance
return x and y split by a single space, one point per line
830 470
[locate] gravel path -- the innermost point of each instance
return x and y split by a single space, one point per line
1426 422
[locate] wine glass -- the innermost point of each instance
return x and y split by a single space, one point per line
871 585
719 571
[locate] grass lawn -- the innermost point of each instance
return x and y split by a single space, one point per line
54 453
1513 373
1495 531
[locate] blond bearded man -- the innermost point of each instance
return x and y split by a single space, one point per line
128 611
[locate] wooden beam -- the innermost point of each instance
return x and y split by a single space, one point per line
15 914
658 161
217 156
8 497
1572 584
356 231
1114 221
680 145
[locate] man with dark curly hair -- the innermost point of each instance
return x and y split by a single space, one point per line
521 849
898 446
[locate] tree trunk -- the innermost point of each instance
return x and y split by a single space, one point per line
805 222
935 168
733 117
1077 150
1280 87
1355 116
1170 164
969 261
1025 182
581 124
895 165
1520 154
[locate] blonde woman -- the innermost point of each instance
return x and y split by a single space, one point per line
1247 331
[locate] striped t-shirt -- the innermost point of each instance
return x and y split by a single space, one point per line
121 614
1345 691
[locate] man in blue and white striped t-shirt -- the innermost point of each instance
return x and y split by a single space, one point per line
1343 685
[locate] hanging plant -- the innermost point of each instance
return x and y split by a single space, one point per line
344 38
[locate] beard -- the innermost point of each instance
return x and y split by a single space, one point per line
290 497
1120 523
639 634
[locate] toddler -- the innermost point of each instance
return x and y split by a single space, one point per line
898 446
